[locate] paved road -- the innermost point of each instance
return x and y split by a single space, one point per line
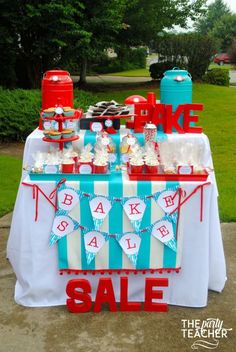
121 79
232 76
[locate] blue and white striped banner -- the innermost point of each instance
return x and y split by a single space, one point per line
152 253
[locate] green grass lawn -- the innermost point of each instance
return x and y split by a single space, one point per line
10 173
219 122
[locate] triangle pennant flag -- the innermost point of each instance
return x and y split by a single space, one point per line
163 230
134 209
130 243
167 200
62 226
93 241
100 207
67 198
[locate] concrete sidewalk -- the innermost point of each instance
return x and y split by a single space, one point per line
55 329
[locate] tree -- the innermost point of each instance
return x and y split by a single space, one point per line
191 51
214 13
47 33
144 20
225 31
40 30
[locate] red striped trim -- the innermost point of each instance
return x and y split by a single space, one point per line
119 271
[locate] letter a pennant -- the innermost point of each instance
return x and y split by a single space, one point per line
100 207
93 241
134 209
130 243
62 226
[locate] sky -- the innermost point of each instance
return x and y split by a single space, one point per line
230 3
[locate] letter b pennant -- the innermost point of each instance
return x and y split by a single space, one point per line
134 209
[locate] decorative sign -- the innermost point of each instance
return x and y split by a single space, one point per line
185 170
112 157
93 242
134 209
80 297
70 124
47 125
130 243
168 201
100 207
85 169
96 126
51 169
164 232
108 123
67 199
125 158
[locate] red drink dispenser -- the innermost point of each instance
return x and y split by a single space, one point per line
57 88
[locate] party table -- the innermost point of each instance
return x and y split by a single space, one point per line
199 260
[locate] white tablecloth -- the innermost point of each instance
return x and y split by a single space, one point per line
36 264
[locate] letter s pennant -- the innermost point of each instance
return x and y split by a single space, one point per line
134 209
100 207
62 226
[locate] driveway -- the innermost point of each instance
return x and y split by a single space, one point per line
122 79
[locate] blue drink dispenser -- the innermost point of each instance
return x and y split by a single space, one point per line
176 89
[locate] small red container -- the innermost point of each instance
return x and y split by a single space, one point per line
67 168
136 169
100 169
152 169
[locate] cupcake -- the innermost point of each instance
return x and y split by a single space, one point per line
68 111
68 133
48 112
56 135
47 133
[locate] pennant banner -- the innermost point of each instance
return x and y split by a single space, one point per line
134 209
100 207
130 243
67 198
163 230
167 200
62 226
93 241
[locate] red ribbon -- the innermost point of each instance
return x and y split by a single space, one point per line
35 194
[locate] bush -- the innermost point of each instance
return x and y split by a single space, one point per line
217 76
20 111
127 59
191 51
157 69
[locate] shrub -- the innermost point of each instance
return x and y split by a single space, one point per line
157 69
127 59
20 108
217 76
191 51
